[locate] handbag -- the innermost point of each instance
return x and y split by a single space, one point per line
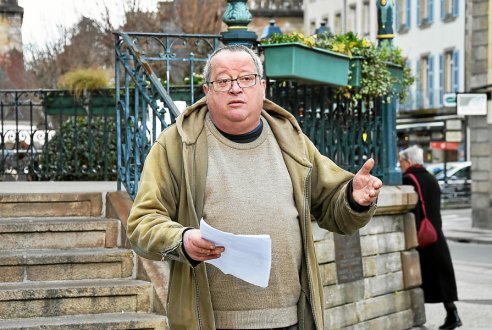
427 234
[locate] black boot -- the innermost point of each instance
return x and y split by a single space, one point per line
452 321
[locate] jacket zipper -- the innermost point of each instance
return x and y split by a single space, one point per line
197 301
306 201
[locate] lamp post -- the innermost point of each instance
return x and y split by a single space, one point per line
237 17
391 172
385 21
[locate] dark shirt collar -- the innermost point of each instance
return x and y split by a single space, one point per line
246 137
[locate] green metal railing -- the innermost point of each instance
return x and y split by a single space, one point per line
155 66
52 135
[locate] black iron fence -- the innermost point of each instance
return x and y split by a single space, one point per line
52 135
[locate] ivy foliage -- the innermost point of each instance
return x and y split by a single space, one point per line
83 149
377 81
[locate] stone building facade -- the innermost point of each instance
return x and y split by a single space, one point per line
479 79
11 54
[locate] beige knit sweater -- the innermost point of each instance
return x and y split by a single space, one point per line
249 191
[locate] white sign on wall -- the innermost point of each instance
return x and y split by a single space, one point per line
471 104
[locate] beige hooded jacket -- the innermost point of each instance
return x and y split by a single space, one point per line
171 196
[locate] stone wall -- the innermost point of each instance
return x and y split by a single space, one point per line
387 294
478 75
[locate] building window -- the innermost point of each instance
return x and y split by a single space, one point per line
352 19
425 82
425 13
448 73
449 9
366 19
403 18
337 23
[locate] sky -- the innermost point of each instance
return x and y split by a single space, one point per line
43 19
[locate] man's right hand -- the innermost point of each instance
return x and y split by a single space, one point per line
198 248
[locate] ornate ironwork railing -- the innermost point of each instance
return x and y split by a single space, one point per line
348 134
156 65
51 135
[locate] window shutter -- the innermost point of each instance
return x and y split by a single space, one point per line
456 67
418 12
430 77
456 8
443 10
409 11
441 79
417 84
430 11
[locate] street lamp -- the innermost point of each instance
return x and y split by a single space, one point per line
237 17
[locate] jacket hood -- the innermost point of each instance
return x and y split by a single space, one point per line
190 124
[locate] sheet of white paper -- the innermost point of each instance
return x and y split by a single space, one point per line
248 257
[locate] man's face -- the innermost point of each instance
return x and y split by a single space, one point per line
237 110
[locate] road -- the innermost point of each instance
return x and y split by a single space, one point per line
473 268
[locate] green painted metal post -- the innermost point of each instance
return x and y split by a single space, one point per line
237 17
391 173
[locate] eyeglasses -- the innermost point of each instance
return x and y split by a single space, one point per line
225 85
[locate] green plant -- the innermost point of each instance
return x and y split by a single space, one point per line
377 81
82 149
82 80
197 79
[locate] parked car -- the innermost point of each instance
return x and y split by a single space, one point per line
455 184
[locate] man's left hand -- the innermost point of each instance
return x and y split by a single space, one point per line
365 187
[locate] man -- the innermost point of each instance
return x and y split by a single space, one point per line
243 164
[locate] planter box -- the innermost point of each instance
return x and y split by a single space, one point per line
396 71
61 104
294 61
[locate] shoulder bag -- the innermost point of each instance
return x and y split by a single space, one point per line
427 234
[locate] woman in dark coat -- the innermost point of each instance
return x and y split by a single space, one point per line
438 280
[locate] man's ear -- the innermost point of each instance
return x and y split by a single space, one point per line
205 89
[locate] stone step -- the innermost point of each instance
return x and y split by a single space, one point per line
51 204
58 233
75 264
61 298
112 321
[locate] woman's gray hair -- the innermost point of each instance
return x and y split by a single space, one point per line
413 154
207 70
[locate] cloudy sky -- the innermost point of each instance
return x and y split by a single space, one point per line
43 19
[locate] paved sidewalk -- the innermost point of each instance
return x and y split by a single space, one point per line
457 226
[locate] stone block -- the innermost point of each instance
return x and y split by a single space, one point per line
381 264
341 294
410 231
383 284
10 273
320 234
341 316
72 298
479 135
478 175
382 243
401 320
418 306
480 149
382 224
396 200
328 273
51 205
480 187
325 251
410 264
383 305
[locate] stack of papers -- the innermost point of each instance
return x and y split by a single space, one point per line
248 257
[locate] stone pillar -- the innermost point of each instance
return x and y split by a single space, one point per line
478 78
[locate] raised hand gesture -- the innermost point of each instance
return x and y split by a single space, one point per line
365 186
